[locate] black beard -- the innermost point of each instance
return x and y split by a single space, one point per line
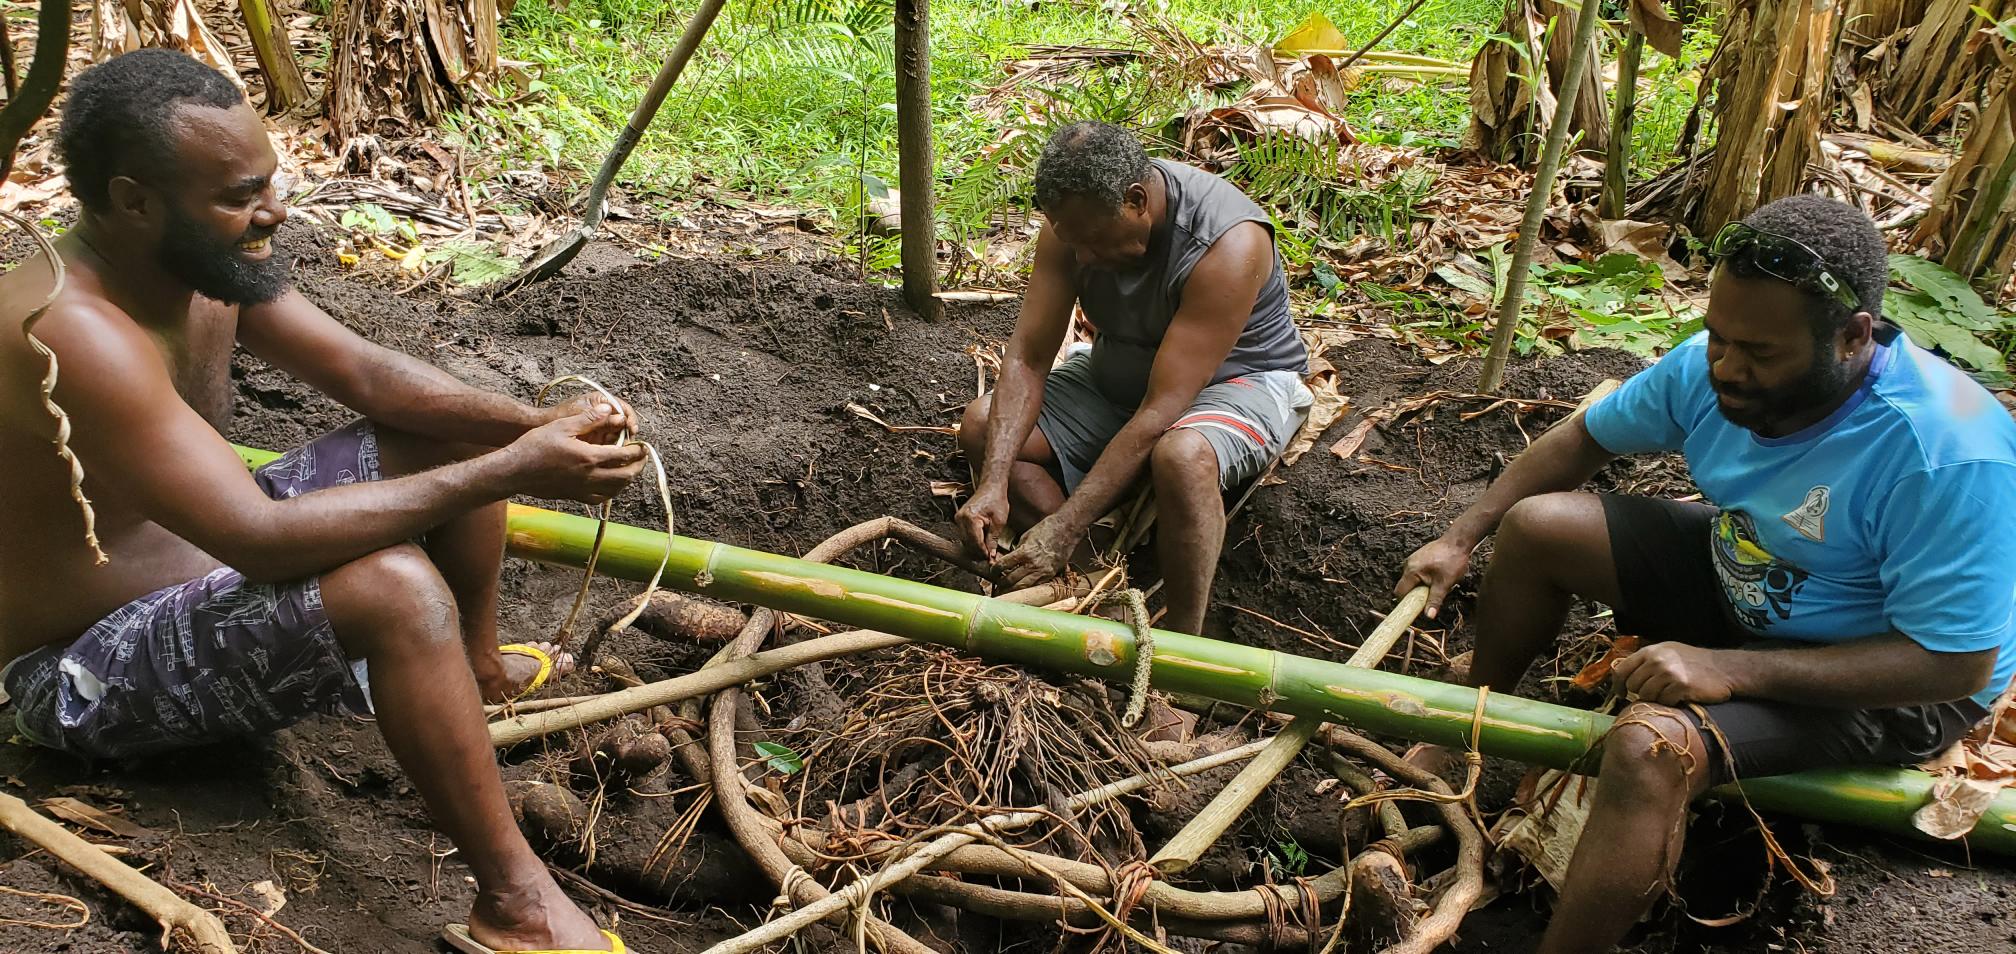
1820 386
219 269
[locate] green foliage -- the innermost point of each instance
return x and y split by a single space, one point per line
1315 188
473 264
1616 301
1288 856
1939 310
788 98
779 758
372 219
1667 92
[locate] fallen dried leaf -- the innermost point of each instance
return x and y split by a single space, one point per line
1597 673
83 813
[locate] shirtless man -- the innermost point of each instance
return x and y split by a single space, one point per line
237 603
1194 382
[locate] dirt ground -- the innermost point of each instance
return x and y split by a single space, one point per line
743 370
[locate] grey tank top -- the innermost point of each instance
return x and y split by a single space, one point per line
1131 309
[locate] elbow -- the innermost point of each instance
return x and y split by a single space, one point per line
1956 676
1974 675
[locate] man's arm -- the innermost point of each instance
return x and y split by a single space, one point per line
390 388
1562 459
1018 392
1877 671
135 433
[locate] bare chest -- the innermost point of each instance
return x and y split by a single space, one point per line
198 357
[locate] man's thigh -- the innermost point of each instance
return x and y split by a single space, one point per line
1076 420
1248 421
192 663
1754 738
1666 583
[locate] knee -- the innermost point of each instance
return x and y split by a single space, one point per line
396 590
1651 748
973 428
1543 522
1183 457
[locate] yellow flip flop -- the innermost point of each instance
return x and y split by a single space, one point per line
539 678
457 936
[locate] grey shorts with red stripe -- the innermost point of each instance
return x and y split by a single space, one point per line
1248 420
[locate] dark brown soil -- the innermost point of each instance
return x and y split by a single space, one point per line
742 371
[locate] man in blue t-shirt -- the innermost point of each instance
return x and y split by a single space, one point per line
1845 596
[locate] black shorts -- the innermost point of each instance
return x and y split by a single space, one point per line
1668 590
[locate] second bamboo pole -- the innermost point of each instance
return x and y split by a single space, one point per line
1217 817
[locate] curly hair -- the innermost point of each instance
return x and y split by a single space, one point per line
120 116
1845 239
1089 160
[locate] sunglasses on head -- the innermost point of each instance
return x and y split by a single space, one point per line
1784 258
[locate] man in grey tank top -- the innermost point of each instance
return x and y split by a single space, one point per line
1194 380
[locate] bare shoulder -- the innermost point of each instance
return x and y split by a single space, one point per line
100 349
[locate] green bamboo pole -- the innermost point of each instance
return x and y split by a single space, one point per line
1387 703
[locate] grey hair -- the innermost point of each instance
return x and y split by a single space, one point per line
1092 161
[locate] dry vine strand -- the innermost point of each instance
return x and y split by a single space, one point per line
62 439
603 514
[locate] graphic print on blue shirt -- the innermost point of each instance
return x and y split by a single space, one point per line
1760 587
1891 515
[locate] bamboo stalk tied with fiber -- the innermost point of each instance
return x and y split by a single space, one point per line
1370 700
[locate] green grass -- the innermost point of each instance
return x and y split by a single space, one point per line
789 100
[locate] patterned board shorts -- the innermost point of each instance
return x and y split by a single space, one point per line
1247 420
208 659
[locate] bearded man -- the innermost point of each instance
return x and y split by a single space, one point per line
357 572
1844 597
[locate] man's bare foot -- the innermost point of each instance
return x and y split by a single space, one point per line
505 675
536 918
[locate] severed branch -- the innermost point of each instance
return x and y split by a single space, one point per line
164 906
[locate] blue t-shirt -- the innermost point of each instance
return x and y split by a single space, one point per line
1897 513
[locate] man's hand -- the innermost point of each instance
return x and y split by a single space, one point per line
1041 554
981 520
562 460
624 419
1438 566
1673 674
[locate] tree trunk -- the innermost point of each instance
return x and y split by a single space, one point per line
1971 227
1508 112
122 27
916 162
1770 82
1617 161
1514 293
1946 62
402 64
285 89
27 103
